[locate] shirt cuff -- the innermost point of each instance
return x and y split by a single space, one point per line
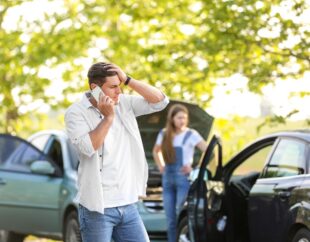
84 145
160 105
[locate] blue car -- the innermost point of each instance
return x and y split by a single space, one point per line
38 183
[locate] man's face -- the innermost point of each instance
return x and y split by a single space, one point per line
111 88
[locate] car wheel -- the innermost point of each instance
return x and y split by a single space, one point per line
302 235
72 230
183 235
7 236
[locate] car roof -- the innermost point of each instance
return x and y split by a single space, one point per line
58 133
303 134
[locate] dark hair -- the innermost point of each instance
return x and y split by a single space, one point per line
98 72
170 131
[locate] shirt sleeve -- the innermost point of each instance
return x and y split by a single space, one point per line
159 138
141 107
195 138
78 132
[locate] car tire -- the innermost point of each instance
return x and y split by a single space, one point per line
72 228
302 235
7 236
183 235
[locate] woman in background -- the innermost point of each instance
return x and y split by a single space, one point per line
173 153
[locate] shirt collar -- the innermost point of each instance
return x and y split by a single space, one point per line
85 101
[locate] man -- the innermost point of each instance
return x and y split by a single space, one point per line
113 172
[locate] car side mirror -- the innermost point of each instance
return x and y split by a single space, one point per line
42 167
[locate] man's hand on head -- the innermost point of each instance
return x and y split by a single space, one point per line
120 73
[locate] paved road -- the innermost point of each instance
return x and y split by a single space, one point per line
34 239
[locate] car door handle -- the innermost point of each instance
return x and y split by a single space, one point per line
284 194
2 182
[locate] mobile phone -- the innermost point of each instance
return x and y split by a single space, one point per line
96 93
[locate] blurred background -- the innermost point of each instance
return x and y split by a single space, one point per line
245 62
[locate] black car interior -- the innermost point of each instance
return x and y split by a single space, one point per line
238 190
242 178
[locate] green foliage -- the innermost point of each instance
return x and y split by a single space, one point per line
182 46
275 120
235 138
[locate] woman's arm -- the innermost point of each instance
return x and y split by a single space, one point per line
158 158
202 146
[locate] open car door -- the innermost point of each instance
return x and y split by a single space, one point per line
205 219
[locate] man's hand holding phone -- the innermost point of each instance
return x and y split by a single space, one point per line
96 93
104 103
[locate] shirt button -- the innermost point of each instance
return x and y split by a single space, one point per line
100 155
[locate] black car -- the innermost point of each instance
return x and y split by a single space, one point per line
261 195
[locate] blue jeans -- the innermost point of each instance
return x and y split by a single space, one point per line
123 224
175 189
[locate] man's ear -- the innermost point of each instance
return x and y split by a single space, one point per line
92 86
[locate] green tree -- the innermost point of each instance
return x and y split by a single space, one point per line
182 46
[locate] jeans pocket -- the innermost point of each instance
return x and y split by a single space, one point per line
91 220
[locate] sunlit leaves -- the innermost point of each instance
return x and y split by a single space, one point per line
181 46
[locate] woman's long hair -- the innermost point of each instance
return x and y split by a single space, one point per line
169 133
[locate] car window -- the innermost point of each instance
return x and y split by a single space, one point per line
255 162
7 146
287 160
213 163
17 154
54 151
40 141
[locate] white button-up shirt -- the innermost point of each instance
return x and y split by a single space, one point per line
81 118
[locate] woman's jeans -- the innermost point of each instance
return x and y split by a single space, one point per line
175 189
123 224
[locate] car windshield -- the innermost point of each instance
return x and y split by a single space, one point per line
15 153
